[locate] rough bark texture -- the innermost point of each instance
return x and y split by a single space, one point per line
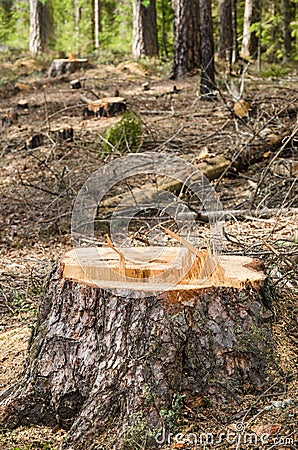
40 21
144 41
99 359
207 84
287 13
225 30
96 22
186 37
252 14
235 52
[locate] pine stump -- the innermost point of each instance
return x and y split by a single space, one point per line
61 66
105 107
108 353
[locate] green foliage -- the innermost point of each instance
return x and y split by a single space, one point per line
165 17
171 416
271 29
73 30
14 20
116 25
124 136
136 434
294 28
276 71
271 36
70 36
294 35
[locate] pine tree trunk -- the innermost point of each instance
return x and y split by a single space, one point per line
207 84
40 22
235 53
144 41
96 22
186 37
77 20
252 14
225 30
287 40
110 362
163 29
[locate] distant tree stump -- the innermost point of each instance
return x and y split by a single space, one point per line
62 66
105 107
117 358
62 134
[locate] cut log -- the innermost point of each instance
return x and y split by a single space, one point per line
61 66
105 107
113 348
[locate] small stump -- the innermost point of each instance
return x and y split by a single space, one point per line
105 107
61 134
110 352
62 66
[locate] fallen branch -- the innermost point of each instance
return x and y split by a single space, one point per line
286 142
247 214
211 169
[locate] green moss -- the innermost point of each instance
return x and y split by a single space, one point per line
124 136
135 435
172 415
147 393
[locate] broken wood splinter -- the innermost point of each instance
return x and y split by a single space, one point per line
122 268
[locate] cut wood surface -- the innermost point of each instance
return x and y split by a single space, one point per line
105 107
102 267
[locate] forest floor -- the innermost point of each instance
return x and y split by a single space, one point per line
39 184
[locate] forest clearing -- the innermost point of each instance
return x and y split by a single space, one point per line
38 187
148 227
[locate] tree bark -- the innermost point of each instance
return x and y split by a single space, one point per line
287 40
40 22
144 41
252 14
186 37
163 29
77 20
96 22
225 30
111 362
207 84
235 53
